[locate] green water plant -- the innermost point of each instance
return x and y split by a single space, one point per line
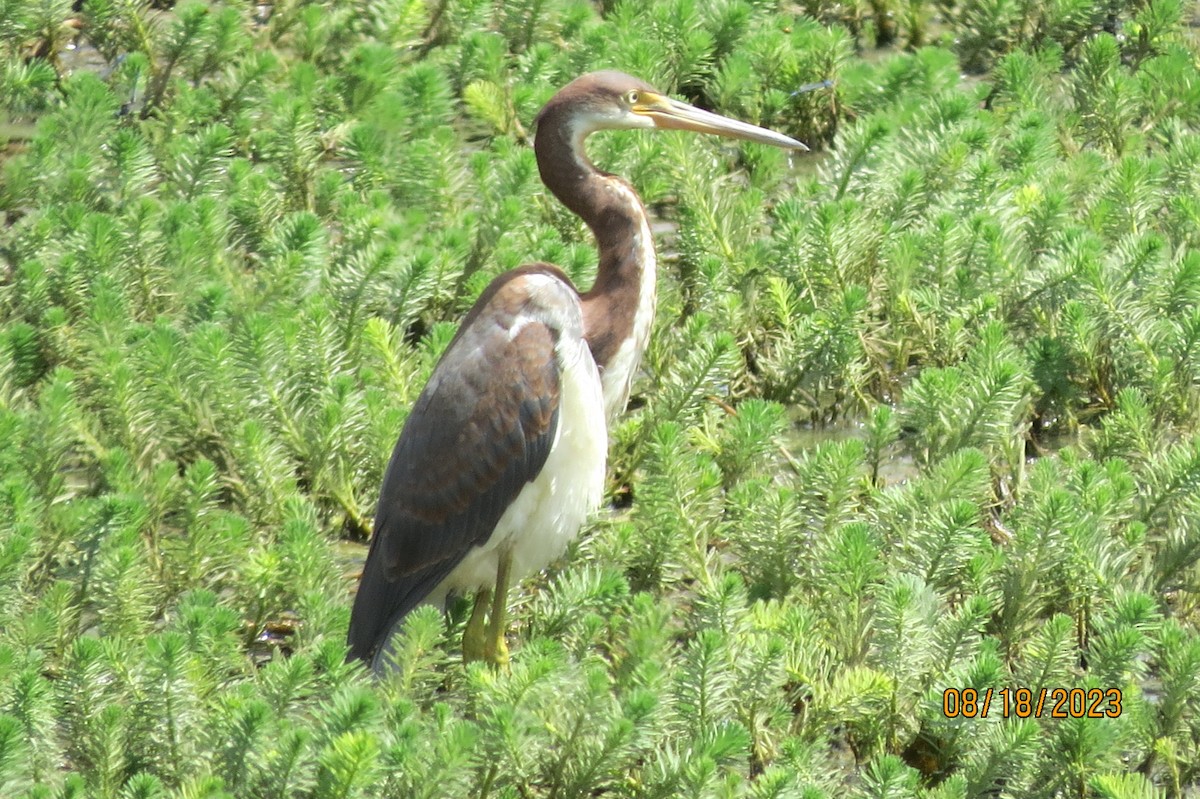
919 416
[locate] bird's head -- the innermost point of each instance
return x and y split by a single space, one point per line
616 101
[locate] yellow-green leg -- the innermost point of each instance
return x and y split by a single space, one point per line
475 634
495 647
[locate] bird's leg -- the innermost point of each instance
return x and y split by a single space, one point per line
495 647
475 635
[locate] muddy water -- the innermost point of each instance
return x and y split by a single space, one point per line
894 468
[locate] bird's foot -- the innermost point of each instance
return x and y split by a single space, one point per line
496 651
475 636
485 640
496 648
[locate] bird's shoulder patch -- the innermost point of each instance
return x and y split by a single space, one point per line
534 293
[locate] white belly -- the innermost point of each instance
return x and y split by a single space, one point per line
549 511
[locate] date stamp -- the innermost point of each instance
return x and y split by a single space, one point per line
1024 703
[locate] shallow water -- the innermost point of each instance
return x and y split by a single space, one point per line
895 467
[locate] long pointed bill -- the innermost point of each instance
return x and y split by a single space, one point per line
668 113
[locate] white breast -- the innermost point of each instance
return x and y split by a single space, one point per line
549 511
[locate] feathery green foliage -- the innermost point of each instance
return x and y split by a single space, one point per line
919 416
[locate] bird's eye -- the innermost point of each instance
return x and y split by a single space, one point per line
632 96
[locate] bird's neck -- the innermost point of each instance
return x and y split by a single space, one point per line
618 311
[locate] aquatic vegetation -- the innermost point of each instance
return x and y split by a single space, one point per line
919 417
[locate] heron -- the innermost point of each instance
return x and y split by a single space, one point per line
502 458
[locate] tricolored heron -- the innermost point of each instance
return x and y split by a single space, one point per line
502 457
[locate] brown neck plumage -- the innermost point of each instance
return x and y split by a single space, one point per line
617 218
